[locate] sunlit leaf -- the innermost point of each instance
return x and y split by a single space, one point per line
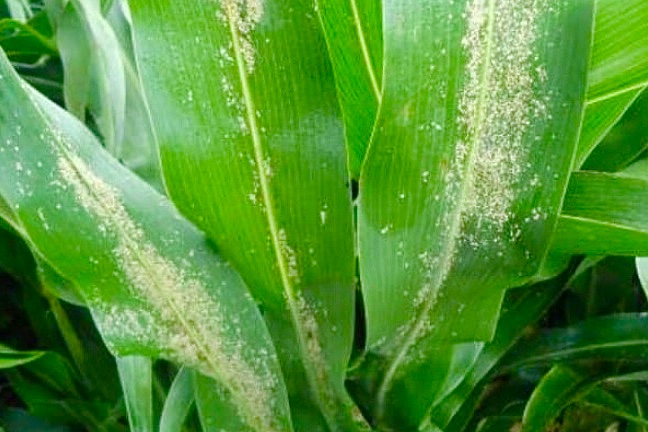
605 213
354 37
252 147
619 69
178 402
154 285
136 375
465 175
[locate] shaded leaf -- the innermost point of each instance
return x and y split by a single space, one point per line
625 142
94 72
557 389
11 358
613 337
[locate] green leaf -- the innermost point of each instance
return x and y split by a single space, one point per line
619 69
94 70
605 214
557 389
20 40
620 54
11 358
178 402
613 337
563 386
20 10
253 152
136 376
600 119
154 285
354 38
606 402
642 270
466 172
625 142
452 411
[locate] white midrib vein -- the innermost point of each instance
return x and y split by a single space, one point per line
416 327
365 51
318 389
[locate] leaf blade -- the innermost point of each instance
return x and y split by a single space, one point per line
434 186
72 196
281 189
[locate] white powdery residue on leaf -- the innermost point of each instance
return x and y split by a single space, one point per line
498 107
245 15
187 321
289 256
319 369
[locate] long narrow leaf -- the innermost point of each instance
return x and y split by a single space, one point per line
619 70
605 213
464 179
353 30
11 358
178 402
136 375
252 147
154 285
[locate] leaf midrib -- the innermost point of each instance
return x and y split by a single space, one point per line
366 57
198 339
318 388
417 326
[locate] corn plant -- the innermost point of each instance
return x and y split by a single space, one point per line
339 215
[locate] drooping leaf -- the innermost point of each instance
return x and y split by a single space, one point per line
557 389
154 285
136 375
563 386
613 337
253 152
94 70
11 358
466 172
353 30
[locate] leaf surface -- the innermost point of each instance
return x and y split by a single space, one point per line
154 285
253 152
612 337
467 169
353 30
136 375
178 402
605 213
619 68
11 358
